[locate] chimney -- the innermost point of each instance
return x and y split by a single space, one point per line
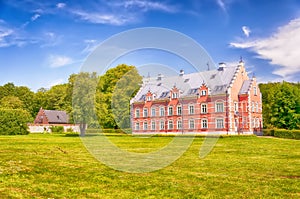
181 73
222 65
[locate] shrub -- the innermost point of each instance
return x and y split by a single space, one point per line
14 121
57 129
268 132
291 134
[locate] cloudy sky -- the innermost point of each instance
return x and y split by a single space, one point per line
43 42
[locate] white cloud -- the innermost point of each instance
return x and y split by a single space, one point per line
149 5
35 17
98 18
56 61
5 33
246 31
60 5
91 45
222 5
281 49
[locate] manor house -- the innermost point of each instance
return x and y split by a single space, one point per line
224 101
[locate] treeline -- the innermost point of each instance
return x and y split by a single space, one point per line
73 97
104 100
281 105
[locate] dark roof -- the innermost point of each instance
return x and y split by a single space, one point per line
57 117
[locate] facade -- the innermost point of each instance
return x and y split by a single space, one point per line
222 101
51 117
47 118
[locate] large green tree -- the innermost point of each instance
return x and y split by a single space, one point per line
119 83
281 105
84 88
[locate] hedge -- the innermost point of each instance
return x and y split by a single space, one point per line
57 129
283 133
14 121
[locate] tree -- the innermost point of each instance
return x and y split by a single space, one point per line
83 99
119 83
11 102
281 105
14 121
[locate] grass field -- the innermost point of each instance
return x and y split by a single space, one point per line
55 166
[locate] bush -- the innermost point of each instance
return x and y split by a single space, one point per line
57 129
291 134
14 121
268 132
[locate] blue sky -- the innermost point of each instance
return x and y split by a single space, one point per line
43 42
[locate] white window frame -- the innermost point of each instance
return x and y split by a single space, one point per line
219 107
174 95
153 125
179 124
191 124
179 107
145 124
153 111
203 106
161 125
161 111
137 113
170 110
255 90
145 110
170 124
219 123
191 109
204 123
137 126
203 92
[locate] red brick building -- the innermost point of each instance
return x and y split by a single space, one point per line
51 117
224 101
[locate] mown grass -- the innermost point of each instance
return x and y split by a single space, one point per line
56 166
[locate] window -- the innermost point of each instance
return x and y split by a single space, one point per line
203 108
145 114
153 127
149 98
137 112
192 124
137 126
162 111
191 109
170 124
203 92
257 107
219 107
170 110
204 123
252 107
153 111
179 124
179 110
219 123
255 90
162 125
236 106
174 95
145 126
257 123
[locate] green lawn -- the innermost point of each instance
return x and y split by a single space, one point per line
55 166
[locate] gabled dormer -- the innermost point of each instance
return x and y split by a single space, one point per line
174 93
203 92
149 96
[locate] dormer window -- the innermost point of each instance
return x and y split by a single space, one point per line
203 92
149 98
174 95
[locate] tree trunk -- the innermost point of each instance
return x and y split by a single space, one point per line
82 127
